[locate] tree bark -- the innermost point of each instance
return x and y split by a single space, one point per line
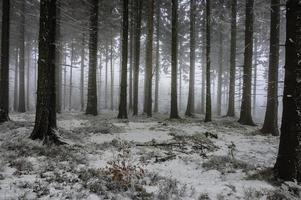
123 83
270 124
149 59
220 70
190 103
58 59
203 95
231 103
208 47
45 122
21 107
138 17
174 62
16 80
156 105
4 68
288 165
255 75
112 73
245 113
92 84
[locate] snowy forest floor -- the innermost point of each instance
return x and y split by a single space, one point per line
140 158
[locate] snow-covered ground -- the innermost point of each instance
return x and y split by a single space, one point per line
139 158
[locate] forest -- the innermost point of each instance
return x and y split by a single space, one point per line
150 99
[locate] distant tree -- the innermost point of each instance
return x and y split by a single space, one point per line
157 69
270 124
190 103
245 113
174 62
203 58
82 74
4 68
123 83
208 47
45 121
92 85
138 14
149 59
21 107
71 74
112 71
288 165
231 100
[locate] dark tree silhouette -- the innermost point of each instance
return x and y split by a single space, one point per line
208 79
149 59
45 121
92 85
288 164
190 103
245 113
123 83
138 14
157 70
58 58
4 68
174 62
270 124
231 104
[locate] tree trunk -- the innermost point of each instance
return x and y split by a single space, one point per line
71 75
28 76
174 62
190 104
82 74
4 68
106 74
255 75
208 81
45 122
92 84
123 83
270 124
21 107
138 17
245 113
231 103
65 82
149 59
112 73
131 60
288 165
58 58
156 105
203 101
220 71
16 81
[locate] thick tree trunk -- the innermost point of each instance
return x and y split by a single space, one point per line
45 122
123 83
288 165
138 17
21 107
246 111
231 103
190 103
149 59
131 46
4 68
16 81
92 84
174 62
157 70
82 74
208 47
270 124
58 58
